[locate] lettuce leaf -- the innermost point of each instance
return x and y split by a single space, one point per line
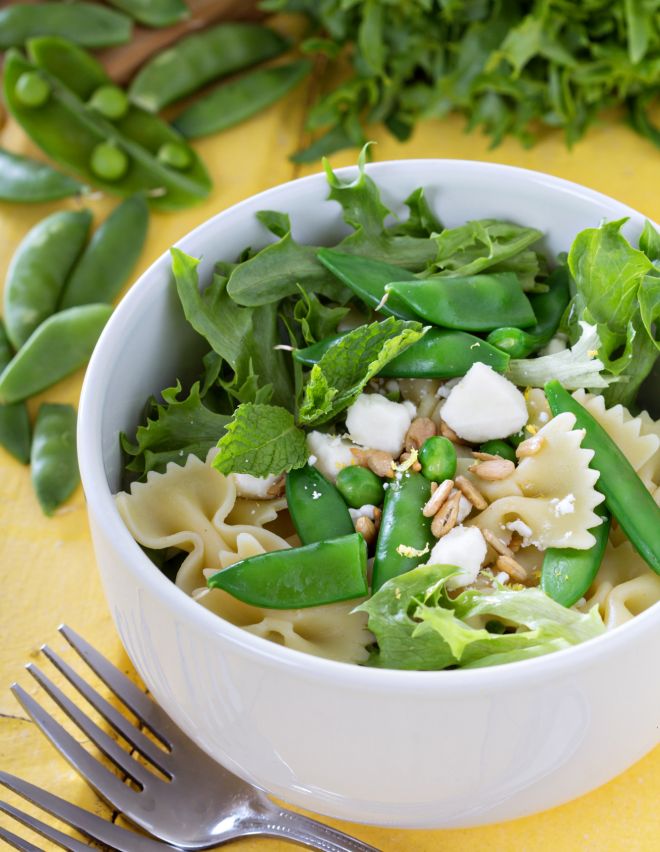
418 626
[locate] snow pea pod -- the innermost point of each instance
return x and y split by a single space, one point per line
38 270
59 346
368 278
53 461
567 572
110 256
548 308
468 302
403 529
71 133
316 507
319 573
14 420
198 59
87 24
154 13
26 180
239 99
625 494
439 354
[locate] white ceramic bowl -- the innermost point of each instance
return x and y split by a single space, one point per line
418 749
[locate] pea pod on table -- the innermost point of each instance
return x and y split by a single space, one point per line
87 24
548 308
403 529
54 464
440 354
124 156
29 181
201 58
39 269
60 345
468 302
316 507
625 494
319 573
154 13
106 263
239 99
14 419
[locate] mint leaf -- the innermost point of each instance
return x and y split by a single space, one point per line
317 321
343 371
174 429
481 244
260 440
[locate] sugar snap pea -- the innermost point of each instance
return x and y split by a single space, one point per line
625 494
26 180
468 302
567 573
198 59
14 420
59 346
497 447
70 131
239 99
316 507
154 13
87 24
404 538
439 354
38 270
367 279
53 461
319 573
106 263
548 308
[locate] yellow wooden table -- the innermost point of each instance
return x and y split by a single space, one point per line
47 567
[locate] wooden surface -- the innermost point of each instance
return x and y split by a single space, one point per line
47 566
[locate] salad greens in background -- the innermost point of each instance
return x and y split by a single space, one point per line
246 379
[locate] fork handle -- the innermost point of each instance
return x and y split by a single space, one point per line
308 832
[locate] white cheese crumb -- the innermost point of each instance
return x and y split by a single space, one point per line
484 406
464 547
366 511
565 506
392 386
446 387
410 407
522 529
311 461
376 422
464 507
543 417
253 487
501 578
331 453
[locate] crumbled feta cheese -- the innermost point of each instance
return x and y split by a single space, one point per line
446 388
378 423
464 547
392 386
501 578
366 511
484 406
464 507
311 461
565 506
522 529
410 407
254 487
330 453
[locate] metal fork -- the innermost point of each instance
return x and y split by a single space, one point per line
201 804
89 824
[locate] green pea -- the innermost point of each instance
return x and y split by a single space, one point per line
108 161
360 486
53 458
438 459
499 448
109 101
175 156
32 90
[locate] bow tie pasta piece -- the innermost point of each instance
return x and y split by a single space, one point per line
551 492
623 587
187 508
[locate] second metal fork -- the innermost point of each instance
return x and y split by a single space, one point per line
195 803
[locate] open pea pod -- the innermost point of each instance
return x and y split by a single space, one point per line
71 132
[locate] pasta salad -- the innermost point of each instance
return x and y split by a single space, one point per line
418 449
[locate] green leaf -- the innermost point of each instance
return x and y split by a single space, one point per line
608 272
418 626
360 199
344 370
649 307
261 440
371 39
277 223
174 429
649 242
421 222
317 321
481 244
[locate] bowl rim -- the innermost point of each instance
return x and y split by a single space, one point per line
101 505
